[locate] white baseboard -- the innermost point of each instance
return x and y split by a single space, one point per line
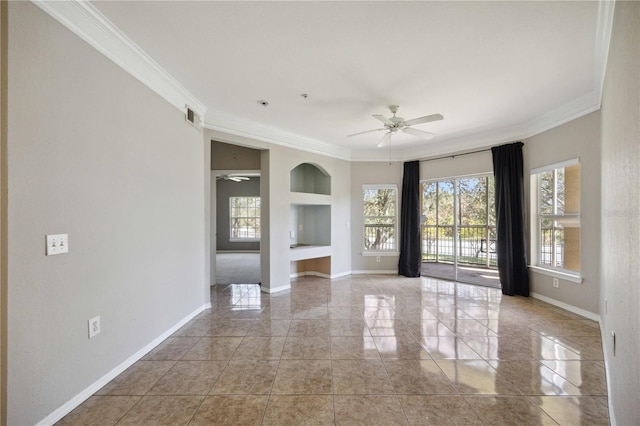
98 384
566 306
275 289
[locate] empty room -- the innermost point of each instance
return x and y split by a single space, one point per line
319 212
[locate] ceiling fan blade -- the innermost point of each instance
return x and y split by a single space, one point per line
366 131
385 140
425 119
235 179
419 133
382 118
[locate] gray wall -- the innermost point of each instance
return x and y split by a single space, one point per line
620 243
224 190
95 154
576 139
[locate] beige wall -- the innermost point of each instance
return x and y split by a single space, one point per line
3 212
95 154
577 139
619 247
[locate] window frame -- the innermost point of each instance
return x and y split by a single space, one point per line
231 217
388 252
537 217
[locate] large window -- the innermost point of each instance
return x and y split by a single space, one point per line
555 191
463 207
244 214
380 218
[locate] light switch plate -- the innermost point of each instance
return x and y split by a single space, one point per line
57 244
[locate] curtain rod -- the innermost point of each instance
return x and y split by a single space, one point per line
456 155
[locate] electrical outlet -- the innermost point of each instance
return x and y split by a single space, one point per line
378 259
94 326
57 244
556 283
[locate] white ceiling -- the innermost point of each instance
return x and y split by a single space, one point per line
497 71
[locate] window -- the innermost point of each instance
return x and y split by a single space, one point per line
555 192
464 207
244 215
380 217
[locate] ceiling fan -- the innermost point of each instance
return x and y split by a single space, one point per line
234 178
393 124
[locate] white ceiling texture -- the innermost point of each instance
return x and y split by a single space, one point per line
497 71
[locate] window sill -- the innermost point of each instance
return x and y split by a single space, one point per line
380 253
244 240
576 278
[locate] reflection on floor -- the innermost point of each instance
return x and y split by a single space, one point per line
466 273
364 350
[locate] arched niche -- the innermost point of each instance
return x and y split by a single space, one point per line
310 178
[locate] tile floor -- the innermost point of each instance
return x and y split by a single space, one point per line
365 350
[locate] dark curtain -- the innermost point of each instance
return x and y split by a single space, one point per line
511 242
410 261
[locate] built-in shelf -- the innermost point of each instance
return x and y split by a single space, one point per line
309 252
310 178
310 218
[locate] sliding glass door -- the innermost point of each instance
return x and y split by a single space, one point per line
458 230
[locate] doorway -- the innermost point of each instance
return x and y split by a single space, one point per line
458 230
235 214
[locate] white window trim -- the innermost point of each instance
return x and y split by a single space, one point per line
565 274
241 240
392 252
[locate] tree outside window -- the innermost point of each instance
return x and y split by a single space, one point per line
245 218
380 217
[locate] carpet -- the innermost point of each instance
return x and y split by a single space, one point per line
238 268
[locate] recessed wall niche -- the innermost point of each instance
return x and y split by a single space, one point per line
310 218
310 178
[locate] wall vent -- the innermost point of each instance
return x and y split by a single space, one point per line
191 117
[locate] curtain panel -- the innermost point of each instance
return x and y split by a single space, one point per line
410 262
511 239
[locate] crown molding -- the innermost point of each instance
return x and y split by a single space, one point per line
231 125
88 23
84 20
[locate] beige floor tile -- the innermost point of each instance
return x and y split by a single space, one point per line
213 348
400 347
444 347
475 377
533 378
100 411
508 410
376 348
137 379
230 410
260 348
418 377
368 410
189 378
315 328
589 376
302 347
311 377
362 347
348 328
438 410
294 410
172 349
269 328
575 410
162 410
246 377
367 376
